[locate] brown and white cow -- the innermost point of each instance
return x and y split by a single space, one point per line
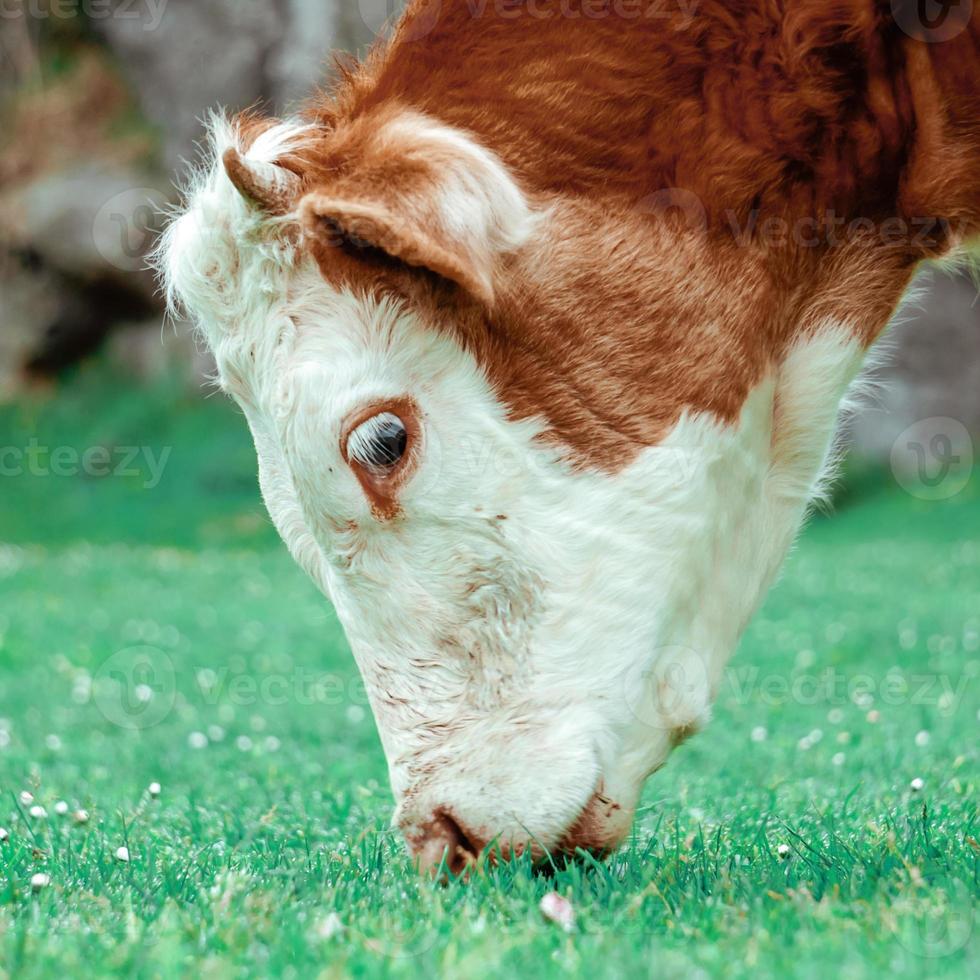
542 322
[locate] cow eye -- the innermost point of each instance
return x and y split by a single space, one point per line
379 443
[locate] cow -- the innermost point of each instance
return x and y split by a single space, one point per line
542 320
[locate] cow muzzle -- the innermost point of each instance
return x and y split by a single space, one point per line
444 845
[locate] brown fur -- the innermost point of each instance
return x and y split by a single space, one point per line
817 116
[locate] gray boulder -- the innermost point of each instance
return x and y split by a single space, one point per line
91 223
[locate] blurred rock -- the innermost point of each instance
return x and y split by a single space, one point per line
78 212
73 252
52 319
92 223
190 57
930 364
32 299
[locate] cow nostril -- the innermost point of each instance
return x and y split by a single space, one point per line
443 844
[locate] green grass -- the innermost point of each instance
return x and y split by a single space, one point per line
268 850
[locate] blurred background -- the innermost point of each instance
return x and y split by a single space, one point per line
100 106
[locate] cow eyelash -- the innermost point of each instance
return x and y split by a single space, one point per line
379 443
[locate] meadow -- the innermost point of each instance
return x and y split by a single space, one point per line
191 783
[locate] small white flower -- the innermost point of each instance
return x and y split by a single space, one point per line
81 816
759 733
39 881
197 740
838 758
328 927
154 789
61 808
559 910
917 785
784 851
272 744
873 716
122 854
53 743
835 716
815 736
26 798
243 743
216 733
4 835
922 738
804 744
38 812
843 738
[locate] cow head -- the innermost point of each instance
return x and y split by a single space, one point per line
544 447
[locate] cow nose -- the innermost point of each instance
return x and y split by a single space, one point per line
442 844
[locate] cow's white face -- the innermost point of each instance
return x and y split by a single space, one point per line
534 635
534 639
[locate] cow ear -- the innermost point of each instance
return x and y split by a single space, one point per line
427 195
407 237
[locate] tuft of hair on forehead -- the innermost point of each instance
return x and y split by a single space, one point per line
224 260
